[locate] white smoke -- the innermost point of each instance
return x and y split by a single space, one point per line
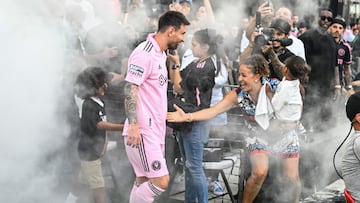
31 62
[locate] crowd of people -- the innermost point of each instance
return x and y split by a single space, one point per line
128 62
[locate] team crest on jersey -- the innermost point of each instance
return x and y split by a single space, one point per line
162 80
341 52
156 165
136 70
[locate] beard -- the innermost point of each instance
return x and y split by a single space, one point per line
173 45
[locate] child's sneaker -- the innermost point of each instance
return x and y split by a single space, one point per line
216 188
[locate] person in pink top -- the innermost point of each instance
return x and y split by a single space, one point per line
146 107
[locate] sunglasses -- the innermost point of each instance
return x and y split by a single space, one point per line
327 18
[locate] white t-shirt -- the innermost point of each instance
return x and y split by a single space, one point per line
287 101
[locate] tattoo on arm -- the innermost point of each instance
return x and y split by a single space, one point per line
131 91
278 66
347 70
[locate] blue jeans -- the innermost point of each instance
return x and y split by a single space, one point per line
191 146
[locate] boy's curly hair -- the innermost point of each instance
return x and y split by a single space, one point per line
89 81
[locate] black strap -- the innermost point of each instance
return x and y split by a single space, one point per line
337 172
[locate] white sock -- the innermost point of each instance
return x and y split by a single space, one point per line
71 198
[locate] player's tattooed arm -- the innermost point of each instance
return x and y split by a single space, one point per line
131 91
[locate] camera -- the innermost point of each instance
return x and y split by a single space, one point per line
265 35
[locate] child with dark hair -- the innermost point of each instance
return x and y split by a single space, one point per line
288 104
91 85
351 159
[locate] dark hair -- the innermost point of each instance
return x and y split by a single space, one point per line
353 106
209 37
325 9
172 18
88 82
298 68
258 65
281 24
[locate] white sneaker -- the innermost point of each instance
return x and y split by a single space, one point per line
215 187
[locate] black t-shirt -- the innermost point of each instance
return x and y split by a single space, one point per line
198 79
282 55
92 139
320 51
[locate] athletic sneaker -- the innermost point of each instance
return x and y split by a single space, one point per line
216 188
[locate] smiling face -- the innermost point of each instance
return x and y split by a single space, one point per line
247 78
176 37
325 18
278 35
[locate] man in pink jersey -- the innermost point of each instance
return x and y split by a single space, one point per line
146 107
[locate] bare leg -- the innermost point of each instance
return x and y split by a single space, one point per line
259 170
99 195
291 170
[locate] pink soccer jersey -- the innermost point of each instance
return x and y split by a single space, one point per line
147 69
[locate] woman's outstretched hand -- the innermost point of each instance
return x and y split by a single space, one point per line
177 116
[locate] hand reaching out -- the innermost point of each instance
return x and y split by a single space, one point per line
177 116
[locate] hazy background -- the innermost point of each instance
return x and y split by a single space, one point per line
33 132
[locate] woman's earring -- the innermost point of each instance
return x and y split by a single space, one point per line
255 81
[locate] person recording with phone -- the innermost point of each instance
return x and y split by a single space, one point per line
264 14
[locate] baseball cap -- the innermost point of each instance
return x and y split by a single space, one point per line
281 24
184 1
353 106
340 21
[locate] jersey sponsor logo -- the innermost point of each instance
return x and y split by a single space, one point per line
156 165
136 70
162 80
340 61
201 64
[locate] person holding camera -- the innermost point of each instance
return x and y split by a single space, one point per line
273 45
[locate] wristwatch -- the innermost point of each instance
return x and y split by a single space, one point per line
348 87
175 66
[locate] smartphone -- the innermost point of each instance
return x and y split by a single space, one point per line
171 51
257 20
267 3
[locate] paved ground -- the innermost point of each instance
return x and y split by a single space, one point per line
316 170
118 179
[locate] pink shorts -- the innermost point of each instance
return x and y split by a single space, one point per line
148 160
